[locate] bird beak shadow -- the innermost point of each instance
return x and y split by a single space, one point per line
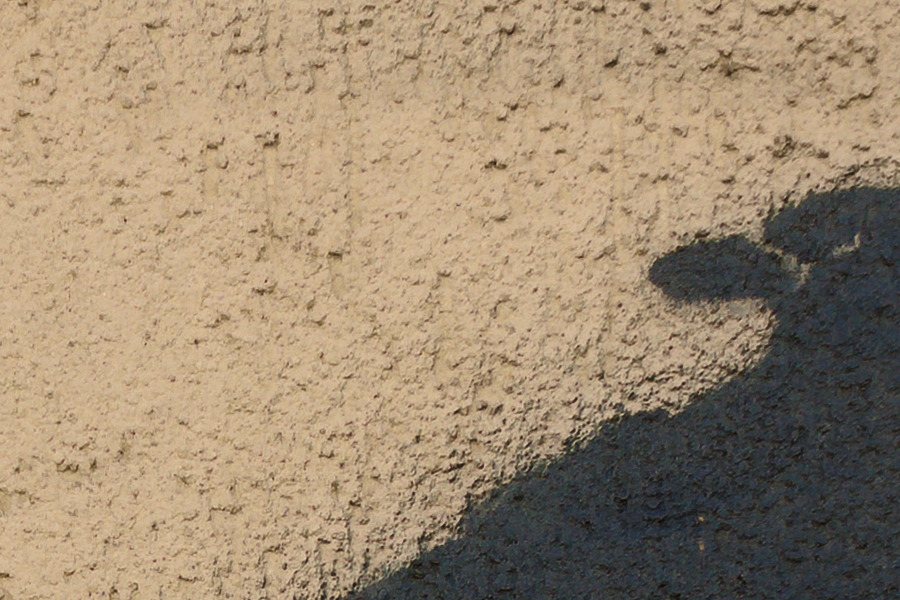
725 269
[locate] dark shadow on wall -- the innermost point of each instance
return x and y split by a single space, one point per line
781 483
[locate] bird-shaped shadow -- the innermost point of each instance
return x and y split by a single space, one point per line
783 482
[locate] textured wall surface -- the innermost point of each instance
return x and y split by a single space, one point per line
286 287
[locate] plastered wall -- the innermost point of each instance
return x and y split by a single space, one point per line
285 285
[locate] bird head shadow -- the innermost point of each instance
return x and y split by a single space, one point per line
824 227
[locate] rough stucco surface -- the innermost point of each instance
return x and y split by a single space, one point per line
284 286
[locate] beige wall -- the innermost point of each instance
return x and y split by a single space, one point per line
281 283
